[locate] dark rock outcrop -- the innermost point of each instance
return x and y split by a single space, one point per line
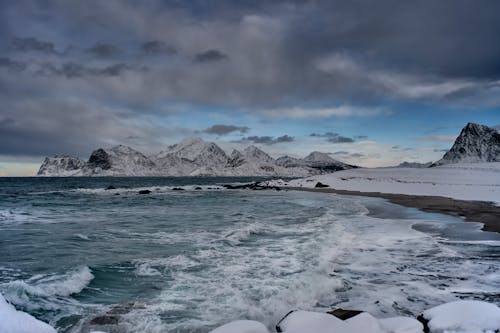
99 159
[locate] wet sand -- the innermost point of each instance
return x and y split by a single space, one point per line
471 211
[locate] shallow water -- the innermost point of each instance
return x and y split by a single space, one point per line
194 259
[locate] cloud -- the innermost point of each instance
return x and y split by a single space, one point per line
158 47
104 50
333 137
339 111
267 140
210 56
13 65
282 64
361 137
225 129
68 70
32 44
340 139
438 138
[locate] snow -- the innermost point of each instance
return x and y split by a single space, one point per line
401 325
13 321
463 316
464 181
241 326
306 321
454 317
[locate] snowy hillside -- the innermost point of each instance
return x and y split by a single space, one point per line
465 181
190 157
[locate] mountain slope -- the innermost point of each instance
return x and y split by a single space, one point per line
476 143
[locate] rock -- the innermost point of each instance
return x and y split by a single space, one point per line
344 314
144 191
198 188
177 189
110 187
320 185
100 158
104 320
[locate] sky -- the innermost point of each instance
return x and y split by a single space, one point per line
371 83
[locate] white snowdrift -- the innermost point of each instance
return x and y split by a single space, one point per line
463 316
242 326
454 317
465 181
13 321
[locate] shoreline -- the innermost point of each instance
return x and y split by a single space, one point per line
471 211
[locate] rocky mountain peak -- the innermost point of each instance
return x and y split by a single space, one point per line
255 153
476 143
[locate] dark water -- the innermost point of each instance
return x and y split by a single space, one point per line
194 259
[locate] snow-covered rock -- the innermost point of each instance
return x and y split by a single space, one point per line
290 162
401 325
13 321
255 154
61 165
476 143
241 326
324 162
414 165
306 321
463 317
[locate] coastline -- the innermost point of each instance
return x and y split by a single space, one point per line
471 211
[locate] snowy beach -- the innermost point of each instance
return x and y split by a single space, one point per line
468 190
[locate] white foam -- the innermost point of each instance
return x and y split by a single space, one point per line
157 266
82 236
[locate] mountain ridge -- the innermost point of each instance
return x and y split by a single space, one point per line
190 157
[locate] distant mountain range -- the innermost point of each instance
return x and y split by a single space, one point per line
195 157
476 143
190 157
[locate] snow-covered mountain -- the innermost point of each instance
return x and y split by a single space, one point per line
190 157
476 143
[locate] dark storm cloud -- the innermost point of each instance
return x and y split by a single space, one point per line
32 44
280 55
17 66
104 50
267 140
209 56
69 70
158 47
225 129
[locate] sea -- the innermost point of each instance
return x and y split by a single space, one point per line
192 255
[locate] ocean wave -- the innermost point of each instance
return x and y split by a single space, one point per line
70 283
158 266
